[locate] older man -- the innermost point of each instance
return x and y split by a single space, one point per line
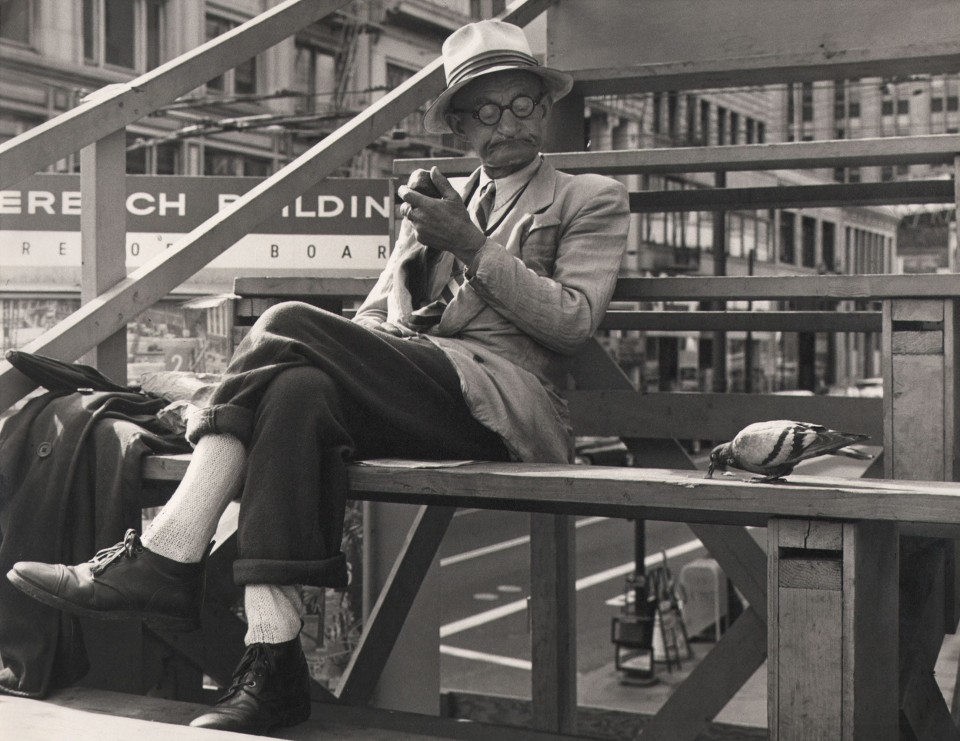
457 352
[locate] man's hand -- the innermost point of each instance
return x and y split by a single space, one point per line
441 223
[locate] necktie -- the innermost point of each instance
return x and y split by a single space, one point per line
427 316
482 207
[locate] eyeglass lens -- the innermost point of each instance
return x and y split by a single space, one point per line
490 113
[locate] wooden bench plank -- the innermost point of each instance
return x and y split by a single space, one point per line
628 493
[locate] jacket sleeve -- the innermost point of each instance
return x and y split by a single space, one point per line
375 307
563 311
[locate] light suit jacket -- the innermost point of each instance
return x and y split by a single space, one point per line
541 284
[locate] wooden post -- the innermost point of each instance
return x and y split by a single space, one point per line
553 607
921 437
832 606
103 235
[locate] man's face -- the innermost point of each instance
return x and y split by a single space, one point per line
512 142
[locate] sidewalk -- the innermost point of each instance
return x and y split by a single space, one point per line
603 688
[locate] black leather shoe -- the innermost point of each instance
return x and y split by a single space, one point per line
123 581
271 688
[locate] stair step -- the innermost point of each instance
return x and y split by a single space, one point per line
83 714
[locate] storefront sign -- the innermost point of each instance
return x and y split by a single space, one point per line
338 224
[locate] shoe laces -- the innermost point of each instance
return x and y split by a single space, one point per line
129 547
256 662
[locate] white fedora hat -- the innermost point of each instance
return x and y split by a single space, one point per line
483 48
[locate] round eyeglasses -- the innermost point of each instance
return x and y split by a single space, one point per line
489 114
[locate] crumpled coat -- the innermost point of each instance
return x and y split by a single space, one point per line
69 485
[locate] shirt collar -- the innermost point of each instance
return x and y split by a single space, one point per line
508 185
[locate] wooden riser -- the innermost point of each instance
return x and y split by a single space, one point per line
96 715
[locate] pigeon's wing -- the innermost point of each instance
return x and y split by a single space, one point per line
827 441
769 445
781 442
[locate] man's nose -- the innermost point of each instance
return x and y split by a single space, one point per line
509 123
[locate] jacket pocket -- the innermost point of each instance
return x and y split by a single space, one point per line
539 247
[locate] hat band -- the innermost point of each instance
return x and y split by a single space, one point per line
477 64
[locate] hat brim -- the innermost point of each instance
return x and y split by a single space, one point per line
558 84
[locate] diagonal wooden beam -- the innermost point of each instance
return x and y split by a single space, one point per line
741 558
715 680
390 611
922 704
115 106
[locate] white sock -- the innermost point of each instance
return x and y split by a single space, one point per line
183 528
273 613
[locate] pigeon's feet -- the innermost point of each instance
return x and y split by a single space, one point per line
769 480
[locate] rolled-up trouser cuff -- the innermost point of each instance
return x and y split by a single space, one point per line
327 572
227 419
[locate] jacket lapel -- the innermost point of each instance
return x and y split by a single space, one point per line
537 198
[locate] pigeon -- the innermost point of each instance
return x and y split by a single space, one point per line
773 448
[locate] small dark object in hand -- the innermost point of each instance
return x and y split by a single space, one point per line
420 181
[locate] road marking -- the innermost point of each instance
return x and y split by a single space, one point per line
505 544
509 588
486 596
488 616
465 653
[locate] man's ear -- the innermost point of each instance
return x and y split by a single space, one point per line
547 102
453 123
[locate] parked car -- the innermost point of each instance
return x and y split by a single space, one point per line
862 387
602 451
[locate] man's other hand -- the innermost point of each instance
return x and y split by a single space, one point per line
442 223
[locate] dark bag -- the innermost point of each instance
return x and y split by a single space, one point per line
56 375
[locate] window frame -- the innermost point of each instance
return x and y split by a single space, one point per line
229 77
29 43
141 36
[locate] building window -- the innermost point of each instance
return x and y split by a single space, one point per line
806 101
787 238
761 132
223 162
656 112
705 123
242 79
734 127
123 33
903 106
808 255
721 125
829 246
672 103
314 76
691 110
16 20
751 130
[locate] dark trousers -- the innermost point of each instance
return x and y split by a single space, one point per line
308 391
